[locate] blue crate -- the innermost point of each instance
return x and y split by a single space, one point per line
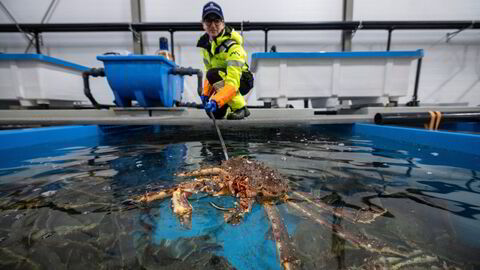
144 78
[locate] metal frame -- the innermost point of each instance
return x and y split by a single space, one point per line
348 27
390 26
247 26
346 34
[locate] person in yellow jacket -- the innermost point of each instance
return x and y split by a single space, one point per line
227 76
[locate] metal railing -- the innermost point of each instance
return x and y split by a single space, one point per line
389 26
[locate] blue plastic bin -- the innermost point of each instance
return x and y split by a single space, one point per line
144 78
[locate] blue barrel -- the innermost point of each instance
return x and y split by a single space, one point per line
144 78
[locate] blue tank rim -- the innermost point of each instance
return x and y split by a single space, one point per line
45 135
134 57
355 54
463 142
42 58
335 55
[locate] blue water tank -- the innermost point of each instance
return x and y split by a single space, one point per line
144 78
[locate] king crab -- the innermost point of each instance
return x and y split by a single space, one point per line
253 182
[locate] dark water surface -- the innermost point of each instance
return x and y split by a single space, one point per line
66 206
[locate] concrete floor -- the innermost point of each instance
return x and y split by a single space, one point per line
192 116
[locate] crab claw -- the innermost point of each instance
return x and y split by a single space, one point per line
182 208
234 217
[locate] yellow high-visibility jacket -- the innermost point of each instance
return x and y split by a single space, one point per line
226 51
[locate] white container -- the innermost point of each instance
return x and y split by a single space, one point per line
326 76
34 79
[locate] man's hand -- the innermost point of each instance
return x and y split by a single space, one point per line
211 106
204 99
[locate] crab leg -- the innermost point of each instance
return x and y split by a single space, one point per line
153 196
180 193
357 240
205 172
182 208
193 186
415 261
180 205
284 247
361 215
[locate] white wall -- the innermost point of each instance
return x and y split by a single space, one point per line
450 73
450 70
426 10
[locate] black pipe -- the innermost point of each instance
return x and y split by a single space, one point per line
247 26
94 72
424 117
190 71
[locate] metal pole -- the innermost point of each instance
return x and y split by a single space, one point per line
219 135
389 41
172 45
136 18
347 17
37 42
266 39
415 101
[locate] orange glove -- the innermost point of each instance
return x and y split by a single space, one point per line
224 95
207 88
